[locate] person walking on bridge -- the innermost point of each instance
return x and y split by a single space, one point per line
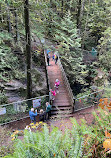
56 58
48 59
57 83
53 93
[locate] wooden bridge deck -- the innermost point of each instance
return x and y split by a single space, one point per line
61 104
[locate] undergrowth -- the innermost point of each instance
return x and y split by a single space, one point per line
81 141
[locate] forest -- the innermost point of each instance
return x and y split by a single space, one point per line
80 28
80 31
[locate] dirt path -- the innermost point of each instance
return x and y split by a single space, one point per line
60 123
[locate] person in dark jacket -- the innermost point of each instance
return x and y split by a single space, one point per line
41 115
48 58
33 115
48 109
56 59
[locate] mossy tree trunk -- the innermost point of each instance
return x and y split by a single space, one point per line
16 25
78 14
28 49
62 8
8 17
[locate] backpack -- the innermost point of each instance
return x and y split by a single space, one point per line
55 56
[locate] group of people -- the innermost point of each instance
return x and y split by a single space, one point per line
43 115
56 89
54 57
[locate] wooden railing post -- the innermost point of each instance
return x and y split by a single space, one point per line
74 104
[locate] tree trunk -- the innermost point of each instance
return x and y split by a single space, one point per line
84 34
66 6
16 26
28 49
53 6
0 13
8 18
82 7
62 3
81 14
78 14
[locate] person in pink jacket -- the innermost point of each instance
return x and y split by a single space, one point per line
57 83
53 94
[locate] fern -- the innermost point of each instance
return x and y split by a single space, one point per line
46 145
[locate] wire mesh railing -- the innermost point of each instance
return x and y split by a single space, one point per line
18 110
87 100
92 99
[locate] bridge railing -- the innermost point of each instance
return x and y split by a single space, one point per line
69 90
20 109
47 77
87 101
92 99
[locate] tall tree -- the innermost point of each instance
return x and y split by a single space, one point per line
78 14
28 49
16 25
8 17
104 46
71 56
62 8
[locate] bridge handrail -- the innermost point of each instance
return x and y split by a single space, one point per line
20 101
89 94
48 81
18 110
70 94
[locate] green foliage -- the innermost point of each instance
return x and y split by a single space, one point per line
47 145
96 135
104 45
86 91
8 61
19 74
3 98
107 91
81 141
67 34
95 15
105 48
56 20
70 52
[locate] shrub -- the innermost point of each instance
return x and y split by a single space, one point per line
81 141
46 145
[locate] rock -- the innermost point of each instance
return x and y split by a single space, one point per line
40 88
94 88
14 85
14 99
13 88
